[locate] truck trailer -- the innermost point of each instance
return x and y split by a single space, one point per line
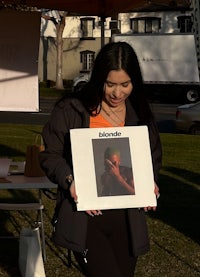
168 63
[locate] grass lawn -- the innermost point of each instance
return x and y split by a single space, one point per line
174 228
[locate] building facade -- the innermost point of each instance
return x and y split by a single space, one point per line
82 37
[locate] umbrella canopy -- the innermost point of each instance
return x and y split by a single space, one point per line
98 7
91 7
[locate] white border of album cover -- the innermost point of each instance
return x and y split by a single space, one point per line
89 148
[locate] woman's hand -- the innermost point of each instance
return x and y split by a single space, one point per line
156 191
72 190
94 212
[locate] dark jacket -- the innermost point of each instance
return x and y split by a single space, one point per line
71 226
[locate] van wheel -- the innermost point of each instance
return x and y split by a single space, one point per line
192 95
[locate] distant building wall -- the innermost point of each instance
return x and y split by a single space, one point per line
71 57
74 43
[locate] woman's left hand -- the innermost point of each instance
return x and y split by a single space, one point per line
156 191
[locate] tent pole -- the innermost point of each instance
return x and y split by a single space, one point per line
102 31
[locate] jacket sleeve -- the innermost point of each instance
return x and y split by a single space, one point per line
56 159
156 148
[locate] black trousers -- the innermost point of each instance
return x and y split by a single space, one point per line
108 244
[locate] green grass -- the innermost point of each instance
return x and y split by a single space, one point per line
174 228
15 138
53 92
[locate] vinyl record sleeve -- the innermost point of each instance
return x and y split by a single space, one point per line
97 187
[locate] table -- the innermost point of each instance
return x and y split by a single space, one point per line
21 182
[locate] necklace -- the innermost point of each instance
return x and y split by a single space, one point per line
121 119
112 111
113 117
105 111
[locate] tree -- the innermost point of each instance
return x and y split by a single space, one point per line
58 18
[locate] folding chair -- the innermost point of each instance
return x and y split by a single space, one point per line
29 207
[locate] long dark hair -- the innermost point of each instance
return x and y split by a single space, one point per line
115 56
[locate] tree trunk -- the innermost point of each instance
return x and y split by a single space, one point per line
59 46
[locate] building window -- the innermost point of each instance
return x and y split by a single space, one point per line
185 24
145 24
115 26
87 60
87 26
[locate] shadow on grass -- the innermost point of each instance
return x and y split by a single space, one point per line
9 257
179 204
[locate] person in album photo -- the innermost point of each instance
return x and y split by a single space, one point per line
113 166
116 179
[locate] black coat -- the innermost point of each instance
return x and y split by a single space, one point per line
71 226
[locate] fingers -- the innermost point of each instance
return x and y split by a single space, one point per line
146 209
73 192
75 197
109 162
156 191
157 195
94 212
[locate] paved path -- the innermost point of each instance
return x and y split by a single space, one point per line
164 113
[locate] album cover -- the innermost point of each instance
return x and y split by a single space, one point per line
112 168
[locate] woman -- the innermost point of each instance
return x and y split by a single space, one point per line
105 243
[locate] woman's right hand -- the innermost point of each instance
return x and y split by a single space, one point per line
72 190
